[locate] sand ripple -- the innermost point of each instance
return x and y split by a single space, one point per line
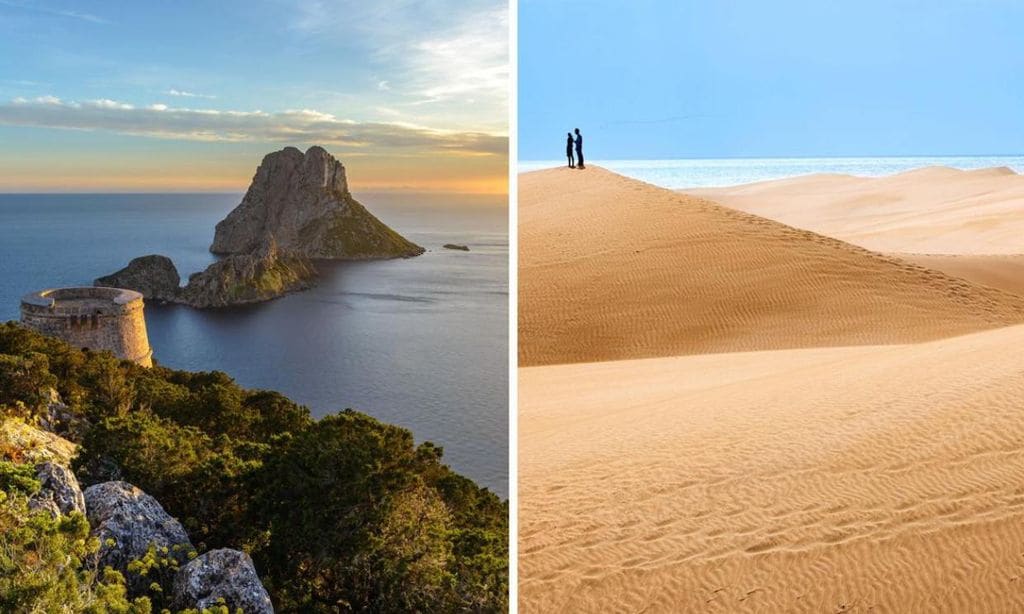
884 478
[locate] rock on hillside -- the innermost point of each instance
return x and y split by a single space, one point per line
154 276
221 574
60 493
126 521
302 202
24 443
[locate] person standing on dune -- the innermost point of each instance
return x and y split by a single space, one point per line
579 149
568 150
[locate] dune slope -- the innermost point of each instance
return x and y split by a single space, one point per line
612 268
935 210
872 478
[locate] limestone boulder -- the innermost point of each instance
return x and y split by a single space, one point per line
23 442
60 493
221 574
127 521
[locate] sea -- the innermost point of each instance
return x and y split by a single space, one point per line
714 173
419 342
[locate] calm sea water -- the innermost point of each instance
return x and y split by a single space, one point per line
679 174
422 343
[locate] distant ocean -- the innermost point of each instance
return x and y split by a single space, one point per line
697 173
422 343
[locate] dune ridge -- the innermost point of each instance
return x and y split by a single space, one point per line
612 268
933 210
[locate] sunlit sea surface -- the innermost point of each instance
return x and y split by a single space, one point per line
696 173
422 343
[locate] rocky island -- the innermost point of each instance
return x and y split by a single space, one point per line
236 280
302 202
297 208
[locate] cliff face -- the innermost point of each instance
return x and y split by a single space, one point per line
302 202
248 278
238 279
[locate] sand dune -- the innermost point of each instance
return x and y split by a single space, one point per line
935 210
874 478
869 458
612 268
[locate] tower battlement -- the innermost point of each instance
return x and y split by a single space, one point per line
90 317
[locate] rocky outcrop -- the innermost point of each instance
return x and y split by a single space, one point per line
463 248
221 574
155 276
235 280
127 521
60 493
249 278
21 442
59 419
302 202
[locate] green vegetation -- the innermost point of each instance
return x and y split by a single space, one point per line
273 276
43 561
340 514
357 233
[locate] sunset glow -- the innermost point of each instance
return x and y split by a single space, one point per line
147 99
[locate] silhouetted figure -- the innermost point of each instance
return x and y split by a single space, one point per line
568 150
579 149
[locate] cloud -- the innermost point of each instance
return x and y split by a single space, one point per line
292 126
56 12
436 52
186 94
469 62
106 103
41 100
21 82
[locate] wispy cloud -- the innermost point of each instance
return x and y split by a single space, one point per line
36 8
187 94
454 56
21 82
293 126
468 62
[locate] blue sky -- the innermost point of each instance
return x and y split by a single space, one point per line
744 78
188 94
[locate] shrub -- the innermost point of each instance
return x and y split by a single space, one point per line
344 513
43 559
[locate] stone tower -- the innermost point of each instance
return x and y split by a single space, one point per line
96 318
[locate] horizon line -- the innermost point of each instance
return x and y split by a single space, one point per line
235 192
795 157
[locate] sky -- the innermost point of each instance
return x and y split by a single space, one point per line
787 78
189 95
